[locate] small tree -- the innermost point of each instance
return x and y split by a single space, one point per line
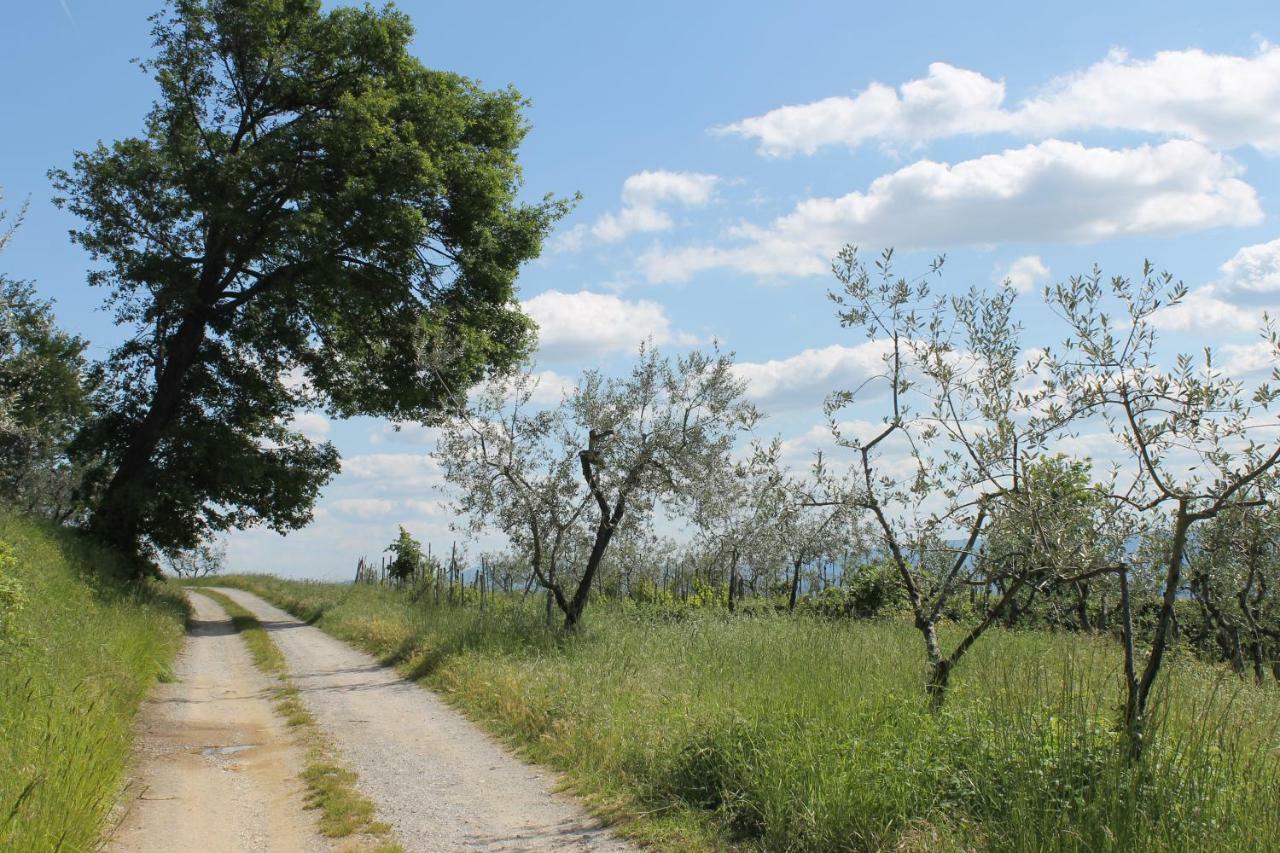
566 480
204 560
1056 518
408 557
43 401
797 526
730 508
1199 444
962 455
1234 565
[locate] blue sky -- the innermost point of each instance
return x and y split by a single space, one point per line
725 150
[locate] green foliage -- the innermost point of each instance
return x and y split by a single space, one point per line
13 599
872 590
408 556
306 200
89 645
791 733
43 402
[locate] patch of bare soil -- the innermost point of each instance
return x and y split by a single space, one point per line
215 769
438 780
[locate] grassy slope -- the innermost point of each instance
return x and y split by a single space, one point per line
79 649
794 733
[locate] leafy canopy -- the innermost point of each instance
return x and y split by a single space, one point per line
310 217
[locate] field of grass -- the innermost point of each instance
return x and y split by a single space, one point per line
79 648
795 733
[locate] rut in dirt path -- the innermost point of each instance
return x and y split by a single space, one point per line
215 769
438 780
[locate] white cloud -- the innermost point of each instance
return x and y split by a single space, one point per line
552 388
313 425
948 101
649 189
406 433
809 376
1253 274
1248 287
1026 273
392 472
1243 359
1217 99
583 325
643 196
1203 309
1052 191
362 508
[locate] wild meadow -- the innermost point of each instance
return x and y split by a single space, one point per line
80 646
704 729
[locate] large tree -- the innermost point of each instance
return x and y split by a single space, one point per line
311 217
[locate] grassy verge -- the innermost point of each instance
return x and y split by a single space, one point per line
802 734
80 646
344 811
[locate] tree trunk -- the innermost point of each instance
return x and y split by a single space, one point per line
733 579
1082 605
1136 708
119 515
573 613
795 586
1131 718
939 667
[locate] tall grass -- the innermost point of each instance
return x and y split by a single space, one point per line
79 647
794 733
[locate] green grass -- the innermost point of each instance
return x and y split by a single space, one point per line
344 811
795 733
79 649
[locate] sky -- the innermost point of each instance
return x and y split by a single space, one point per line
724 152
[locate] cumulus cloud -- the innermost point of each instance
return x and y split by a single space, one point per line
1221 100
392 472
1248 287
406 433
585 325
313 425
809 376
361 508
948 101
1053 191
552 388
1244 359
644 197
1026 273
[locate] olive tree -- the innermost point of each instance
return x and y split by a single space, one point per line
561 482
1234 565
1196 442
965 416
797 526
306 201
731 510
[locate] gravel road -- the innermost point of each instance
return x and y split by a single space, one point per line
215 769
439 781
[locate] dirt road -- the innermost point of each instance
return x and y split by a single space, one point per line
440 782
215 770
